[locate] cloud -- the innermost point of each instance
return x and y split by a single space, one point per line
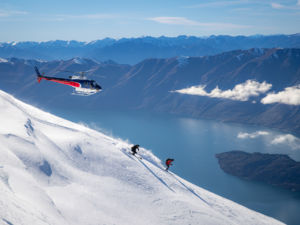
6 13
252 135
241 9
287 139
277 6
188 22
217 4
290 96
86 16
241 92
284 139
174 20
280 6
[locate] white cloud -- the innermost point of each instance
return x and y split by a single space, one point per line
277 6
188 22
280 6
284 139
290 96
287 139
174 20
217 4
86 16
241 92
252 135
6 13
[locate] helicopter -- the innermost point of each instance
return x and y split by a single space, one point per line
82 86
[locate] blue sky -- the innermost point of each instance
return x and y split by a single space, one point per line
87 20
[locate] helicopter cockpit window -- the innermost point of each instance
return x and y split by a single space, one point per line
85 84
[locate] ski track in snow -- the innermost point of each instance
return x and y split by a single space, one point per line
53 171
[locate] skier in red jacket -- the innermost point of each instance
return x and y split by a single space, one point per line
169 163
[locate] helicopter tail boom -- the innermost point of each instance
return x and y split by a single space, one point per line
39 76
37 71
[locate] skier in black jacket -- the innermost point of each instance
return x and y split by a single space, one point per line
134 149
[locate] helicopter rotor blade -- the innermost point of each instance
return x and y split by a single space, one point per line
67 71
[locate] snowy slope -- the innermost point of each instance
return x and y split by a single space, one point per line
53 171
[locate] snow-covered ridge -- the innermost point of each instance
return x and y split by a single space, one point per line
163 41
53 171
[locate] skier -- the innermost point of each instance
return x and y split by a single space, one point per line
134 148
169 163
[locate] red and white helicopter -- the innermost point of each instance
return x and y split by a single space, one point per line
81 85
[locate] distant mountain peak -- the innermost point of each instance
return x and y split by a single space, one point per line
134 50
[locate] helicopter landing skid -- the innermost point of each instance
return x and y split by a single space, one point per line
84 92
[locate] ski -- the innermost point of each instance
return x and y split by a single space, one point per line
139 157
129 152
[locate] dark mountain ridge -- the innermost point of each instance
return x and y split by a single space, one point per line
148 85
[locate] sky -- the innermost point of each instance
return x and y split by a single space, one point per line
88 20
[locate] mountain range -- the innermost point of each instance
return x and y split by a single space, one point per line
134 50
255 86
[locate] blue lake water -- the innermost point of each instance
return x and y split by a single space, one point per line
193 144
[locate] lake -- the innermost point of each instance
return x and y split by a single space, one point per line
193 144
